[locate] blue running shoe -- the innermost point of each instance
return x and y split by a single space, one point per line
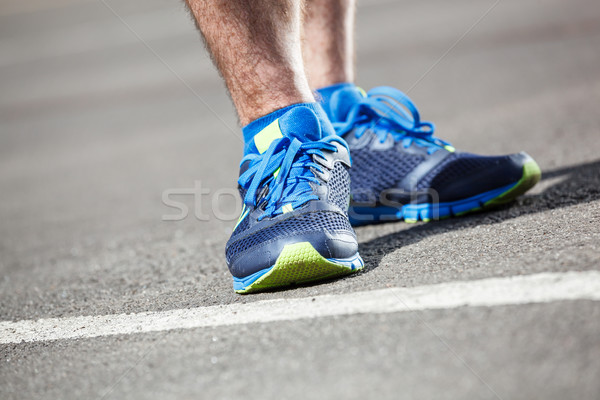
401 171
294 226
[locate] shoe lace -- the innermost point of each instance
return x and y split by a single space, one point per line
385 110
285 170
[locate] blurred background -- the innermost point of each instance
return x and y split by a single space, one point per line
104 105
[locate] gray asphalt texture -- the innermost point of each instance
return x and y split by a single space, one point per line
101 112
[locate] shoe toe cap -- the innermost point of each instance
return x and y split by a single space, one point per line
339 245
469 175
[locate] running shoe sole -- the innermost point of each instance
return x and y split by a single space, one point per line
426 212
298 263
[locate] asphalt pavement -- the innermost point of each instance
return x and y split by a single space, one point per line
107 108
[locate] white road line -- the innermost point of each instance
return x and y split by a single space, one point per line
538 288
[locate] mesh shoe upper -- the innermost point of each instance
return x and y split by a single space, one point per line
308 204
373 173
396 157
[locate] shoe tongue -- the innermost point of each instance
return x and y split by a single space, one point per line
300 123
342 100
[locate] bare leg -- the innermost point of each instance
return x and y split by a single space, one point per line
256 47
328 46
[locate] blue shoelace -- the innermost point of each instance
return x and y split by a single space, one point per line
286 169
385 110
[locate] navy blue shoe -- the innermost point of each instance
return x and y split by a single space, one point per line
294 226
401 171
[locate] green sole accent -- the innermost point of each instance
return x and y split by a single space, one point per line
531 176
468 211
298 263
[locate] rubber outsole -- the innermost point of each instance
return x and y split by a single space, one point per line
426 212
298 263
